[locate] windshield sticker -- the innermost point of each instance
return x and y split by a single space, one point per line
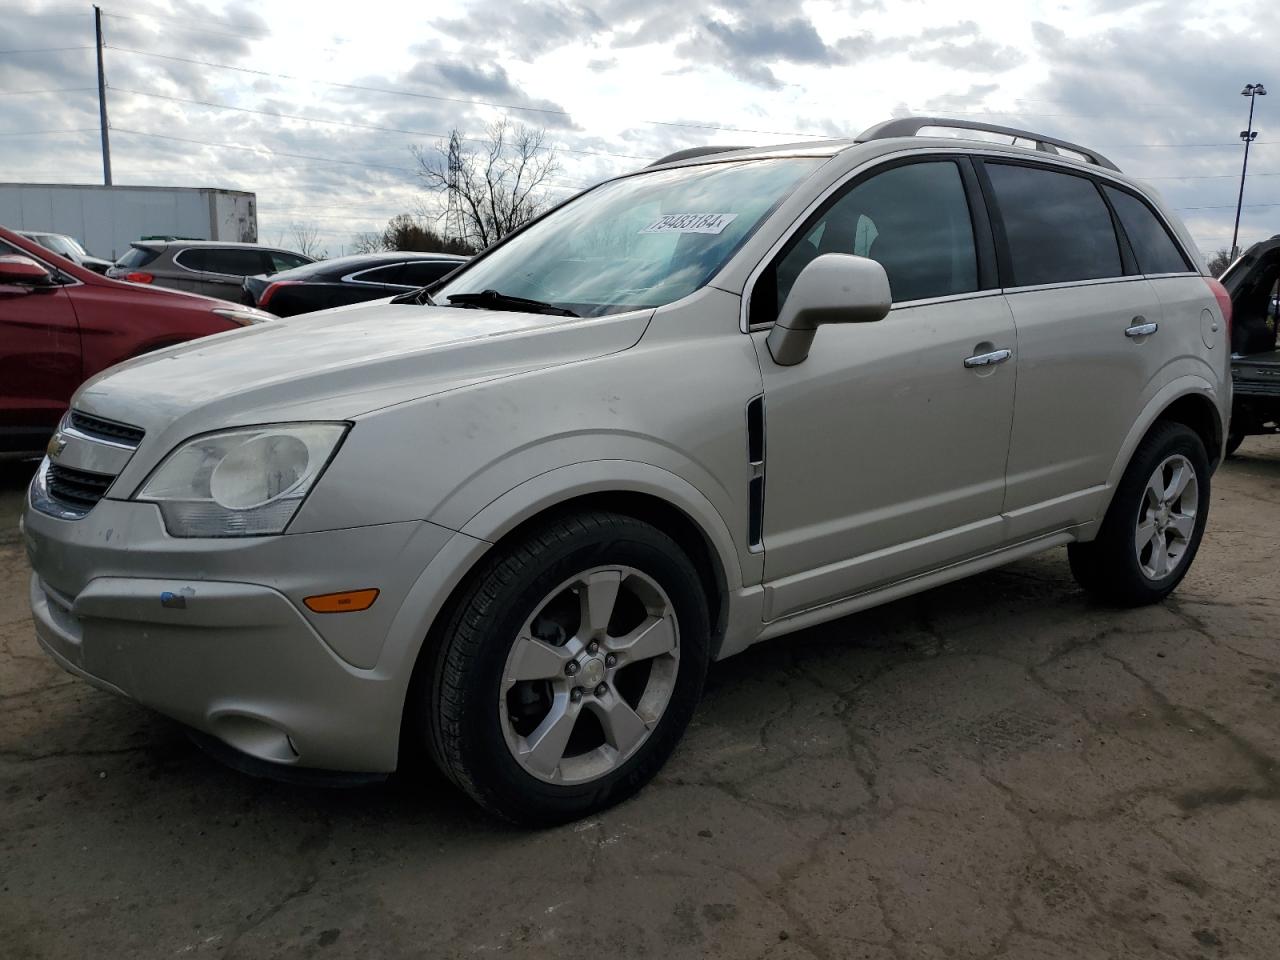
691 223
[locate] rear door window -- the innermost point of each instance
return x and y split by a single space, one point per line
419 273
232 261
1152 245
1058 228
285 261
387 274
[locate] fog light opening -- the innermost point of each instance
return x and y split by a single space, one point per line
258 738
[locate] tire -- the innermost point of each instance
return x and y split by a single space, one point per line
483 735
1114 568
1233 442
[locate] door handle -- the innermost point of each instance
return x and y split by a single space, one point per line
987 359
1141 328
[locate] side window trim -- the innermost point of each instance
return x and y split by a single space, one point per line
1003 254
984 244
1128 256
356 275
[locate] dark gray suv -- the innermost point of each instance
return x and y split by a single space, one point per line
210 267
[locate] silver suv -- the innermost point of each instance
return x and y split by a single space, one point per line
213 268
508 520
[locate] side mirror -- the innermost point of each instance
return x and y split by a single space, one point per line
21 270
833 288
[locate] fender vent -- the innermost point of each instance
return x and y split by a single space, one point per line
755 463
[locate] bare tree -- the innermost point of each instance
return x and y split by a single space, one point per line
305 239
367 242
1219 262
405 231
493 188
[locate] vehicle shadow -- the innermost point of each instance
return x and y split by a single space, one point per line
159 758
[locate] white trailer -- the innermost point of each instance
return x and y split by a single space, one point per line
107 219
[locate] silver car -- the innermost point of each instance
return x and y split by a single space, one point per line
509 520
213 268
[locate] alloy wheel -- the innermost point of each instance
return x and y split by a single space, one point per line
589 675
1166 517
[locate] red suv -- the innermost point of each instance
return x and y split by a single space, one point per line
60 324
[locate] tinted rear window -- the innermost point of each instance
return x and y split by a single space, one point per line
286 261
1152 245
137 257
226 260
387 274
422 272
1058 227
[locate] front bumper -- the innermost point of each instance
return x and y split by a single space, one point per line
214 632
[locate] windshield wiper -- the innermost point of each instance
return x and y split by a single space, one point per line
419 296
494 300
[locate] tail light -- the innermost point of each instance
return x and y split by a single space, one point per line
137 276
270 292
1224 302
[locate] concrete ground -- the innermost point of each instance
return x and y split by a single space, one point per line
993 769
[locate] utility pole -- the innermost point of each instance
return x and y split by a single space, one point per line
1252 91
102 99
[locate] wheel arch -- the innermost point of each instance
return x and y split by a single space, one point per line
642 491
648 493
1189 400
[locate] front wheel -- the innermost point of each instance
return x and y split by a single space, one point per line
569 668
1153 527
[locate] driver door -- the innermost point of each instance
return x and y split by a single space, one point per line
885 451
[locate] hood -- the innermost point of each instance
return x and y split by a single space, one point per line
339 364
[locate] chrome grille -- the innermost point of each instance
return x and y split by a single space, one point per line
85 457
78 489
109 430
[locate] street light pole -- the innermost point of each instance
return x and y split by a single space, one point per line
1252 91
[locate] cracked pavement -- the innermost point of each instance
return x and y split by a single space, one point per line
996 768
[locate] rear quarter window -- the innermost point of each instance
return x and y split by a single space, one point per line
137 257
1057 226
422 272
1152 245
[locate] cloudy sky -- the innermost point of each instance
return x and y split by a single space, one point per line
314 106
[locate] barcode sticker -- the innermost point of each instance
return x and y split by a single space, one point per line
691 223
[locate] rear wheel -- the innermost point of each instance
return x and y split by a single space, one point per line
569 669
1153 527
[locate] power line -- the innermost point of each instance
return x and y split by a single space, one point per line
334 83
32 93
1229 206
88 46
269 152
347 123
42 133
438 97
183 27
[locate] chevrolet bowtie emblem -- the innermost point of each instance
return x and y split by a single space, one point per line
57 443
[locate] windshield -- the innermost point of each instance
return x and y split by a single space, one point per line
638 242
63 245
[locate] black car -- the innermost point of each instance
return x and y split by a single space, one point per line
1255 362
337 282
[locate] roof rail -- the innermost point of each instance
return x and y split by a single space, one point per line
692 152
911 126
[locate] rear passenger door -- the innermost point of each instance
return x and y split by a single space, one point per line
1089 345
222 269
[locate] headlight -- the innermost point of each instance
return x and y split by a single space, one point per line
244 315
241 483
